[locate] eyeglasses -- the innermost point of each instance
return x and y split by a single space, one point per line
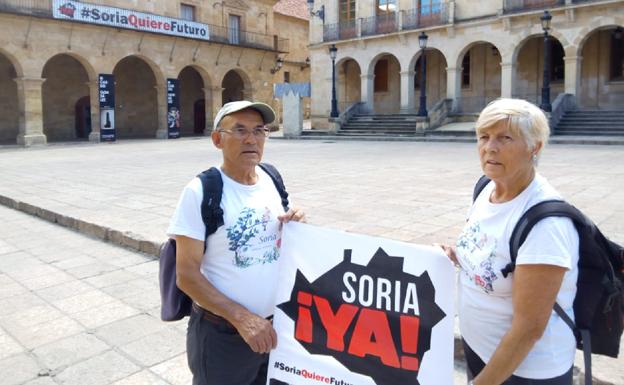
241 133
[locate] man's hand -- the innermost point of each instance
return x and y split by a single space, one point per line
258 332
293 214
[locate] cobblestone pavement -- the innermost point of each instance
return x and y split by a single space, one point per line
76 310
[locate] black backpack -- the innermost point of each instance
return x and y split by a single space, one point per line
175 304
599 302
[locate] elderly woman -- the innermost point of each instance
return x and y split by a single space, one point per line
510 332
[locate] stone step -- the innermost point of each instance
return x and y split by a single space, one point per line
589 133
608 127
351 126
462 133
375 133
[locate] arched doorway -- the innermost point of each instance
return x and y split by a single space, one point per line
602 69
349 83
386 84
530 70
136 105
9 123
192 103
233 87
435 77
480 77
66 86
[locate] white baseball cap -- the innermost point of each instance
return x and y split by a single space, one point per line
268 115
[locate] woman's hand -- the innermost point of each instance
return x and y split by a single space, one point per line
450 253
293 214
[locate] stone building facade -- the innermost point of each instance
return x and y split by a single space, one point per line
52 59
476 52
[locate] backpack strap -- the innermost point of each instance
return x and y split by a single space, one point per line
549 208
277 181
545 209
211 211
481 183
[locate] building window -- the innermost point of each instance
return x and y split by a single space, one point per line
386 6
429 7
381 76
347 10
616 59
286 77
466 70
556 61
234 29
187 12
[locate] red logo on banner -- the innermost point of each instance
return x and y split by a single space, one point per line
376 320
67 9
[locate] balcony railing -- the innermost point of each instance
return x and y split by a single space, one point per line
340 31
380 24
515 6
43 8
426 16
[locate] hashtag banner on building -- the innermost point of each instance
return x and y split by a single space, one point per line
124 18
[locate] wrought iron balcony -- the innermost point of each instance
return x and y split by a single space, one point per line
515 6
426 16
380 24
422 17
43 8
340 31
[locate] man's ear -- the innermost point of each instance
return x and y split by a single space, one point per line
216 139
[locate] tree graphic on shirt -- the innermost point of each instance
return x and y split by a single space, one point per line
242 232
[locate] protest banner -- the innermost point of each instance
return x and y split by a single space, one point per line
361 310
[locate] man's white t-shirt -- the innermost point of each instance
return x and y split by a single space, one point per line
485 298
241 256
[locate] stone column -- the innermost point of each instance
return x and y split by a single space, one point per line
572 75
407 92
367 94
30 107
453 86
217 102
94 101
508 79
207 110
161 108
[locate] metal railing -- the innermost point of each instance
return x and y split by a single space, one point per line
426 16
380 24
340 31
43 8
514 6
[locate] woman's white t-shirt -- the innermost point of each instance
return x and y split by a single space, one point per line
485 299
241 256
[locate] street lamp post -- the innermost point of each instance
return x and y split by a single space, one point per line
334 103
422 42
545 105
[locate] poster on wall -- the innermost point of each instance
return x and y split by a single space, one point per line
107 107
361 310
173 108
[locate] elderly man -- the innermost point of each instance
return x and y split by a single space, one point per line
232 282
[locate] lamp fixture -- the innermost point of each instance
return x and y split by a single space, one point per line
305 64
618 33
422 40
545 19
320 12
279 62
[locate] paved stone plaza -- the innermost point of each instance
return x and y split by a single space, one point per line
75 310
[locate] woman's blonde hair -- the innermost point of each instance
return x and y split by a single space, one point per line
523 118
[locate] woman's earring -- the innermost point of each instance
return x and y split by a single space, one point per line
534 158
